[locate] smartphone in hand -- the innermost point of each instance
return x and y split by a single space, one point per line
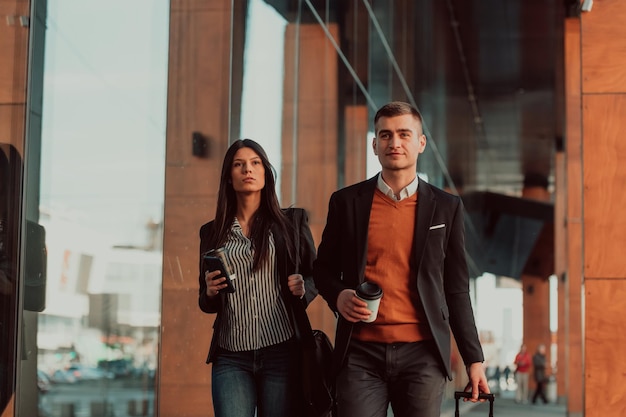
214 263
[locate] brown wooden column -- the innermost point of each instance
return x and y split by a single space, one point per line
198 100
13 77
536 286
358 144
603 42
572 319
310 127
560 266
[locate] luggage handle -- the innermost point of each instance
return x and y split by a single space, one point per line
481 396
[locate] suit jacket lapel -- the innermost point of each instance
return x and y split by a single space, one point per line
425 209
362 208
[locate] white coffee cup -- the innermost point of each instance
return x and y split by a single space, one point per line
371 293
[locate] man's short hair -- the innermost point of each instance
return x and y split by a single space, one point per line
397 108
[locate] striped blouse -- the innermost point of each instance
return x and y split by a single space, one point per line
255 315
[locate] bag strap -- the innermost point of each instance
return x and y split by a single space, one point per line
307 338
297 219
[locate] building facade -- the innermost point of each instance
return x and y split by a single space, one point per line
114 119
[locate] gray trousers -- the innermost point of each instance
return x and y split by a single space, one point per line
409 376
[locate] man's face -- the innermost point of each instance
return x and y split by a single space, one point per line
398 142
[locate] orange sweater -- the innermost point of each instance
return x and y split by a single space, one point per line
390 264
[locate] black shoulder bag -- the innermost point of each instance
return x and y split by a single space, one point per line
316 355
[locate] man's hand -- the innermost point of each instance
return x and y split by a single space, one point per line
477 381
351 307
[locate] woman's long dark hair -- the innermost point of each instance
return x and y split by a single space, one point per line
269 212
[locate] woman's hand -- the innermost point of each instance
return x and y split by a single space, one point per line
213 286
296 285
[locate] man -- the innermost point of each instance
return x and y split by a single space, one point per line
377 231
539 367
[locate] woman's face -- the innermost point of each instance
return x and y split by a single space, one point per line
247 172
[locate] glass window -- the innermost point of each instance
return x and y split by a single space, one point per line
94 210
14 36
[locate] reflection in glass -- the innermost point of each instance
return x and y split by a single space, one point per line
10 180
101 200
262 93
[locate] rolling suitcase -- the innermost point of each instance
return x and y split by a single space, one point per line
460 394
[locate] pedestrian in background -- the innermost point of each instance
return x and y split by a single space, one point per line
523 362
539 372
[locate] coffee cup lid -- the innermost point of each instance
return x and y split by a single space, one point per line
369 290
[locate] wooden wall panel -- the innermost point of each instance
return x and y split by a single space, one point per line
604 108
604 175
604 48
604 355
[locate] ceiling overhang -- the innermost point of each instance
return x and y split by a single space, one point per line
508 236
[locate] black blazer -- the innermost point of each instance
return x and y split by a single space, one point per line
439 254
286 266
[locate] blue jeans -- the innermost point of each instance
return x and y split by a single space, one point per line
263 379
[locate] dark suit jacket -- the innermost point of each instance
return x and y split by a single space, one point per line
439 254
286 266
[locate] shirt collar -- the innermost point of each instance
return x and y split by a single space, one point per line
407 191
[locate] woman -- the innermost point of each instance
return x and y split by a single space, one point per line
254 350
